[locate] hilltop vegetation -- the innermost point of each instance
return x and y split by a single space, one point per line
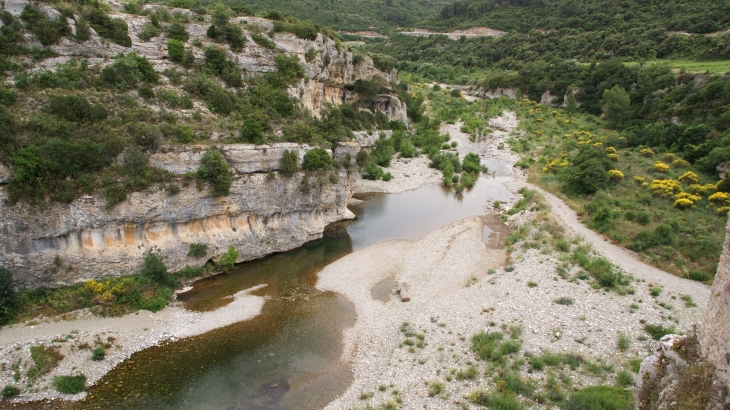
380 15
84 128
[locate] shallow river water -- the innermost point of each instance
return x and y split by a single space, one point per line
288 356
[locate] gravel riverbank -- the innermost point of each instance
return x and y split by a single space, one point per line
75 338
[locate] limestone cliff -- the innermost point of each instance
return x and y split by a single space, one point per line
66 243
329 69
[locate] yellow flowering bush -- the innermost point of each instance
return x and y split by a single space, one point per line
723 211
665 188
611 150
689 178
598 145
683 203
647 152
688 196
669 157
639 180
680 163
661 167
555 165
615 175
703 190
720 199
613 157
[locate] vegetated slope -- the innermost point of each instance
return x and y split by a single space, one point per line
355 15
180 77
704 16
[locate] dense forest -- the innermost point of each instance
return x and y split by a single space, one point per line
703 16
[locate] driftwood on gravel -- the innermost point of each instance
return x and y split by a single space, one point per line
403 292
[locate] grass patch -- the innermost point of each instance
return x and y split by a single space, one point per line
623 342
600 398
658 331
70 384
495 401
566 301
9 392
44 359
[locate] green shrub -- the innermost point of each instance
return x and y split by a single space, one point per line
47 31
316 159
111 28
214 169
566 301
252 132
9 392
155 270
387 176
600 398
70 384
148 31
98 354
699 275
177 31
289 163
383 62
128 70
472 163
264 41
658 331
228 260
113 194
146 92
624 379
624 341
372 171
198 250
83 32
7 294
76 109
176 50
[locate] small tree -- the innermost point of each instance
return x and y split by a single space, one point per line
228 259
176 50
617 106
316 159
214 169
177 32
220 14
289 163
156 271
252 131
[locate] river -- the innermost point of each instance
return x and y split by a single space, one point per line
288 357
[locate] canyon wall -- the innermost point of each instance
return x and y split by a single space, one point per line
59 244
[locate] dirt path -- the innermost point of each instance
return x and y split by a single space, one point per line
623 258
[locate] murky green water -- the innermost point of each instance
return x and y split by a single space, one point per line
287 357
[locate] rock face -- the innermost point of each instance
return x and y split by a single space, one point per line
715 330
658 374
66 243
243 158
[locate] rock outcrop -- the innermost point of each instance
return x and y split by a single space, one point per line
715 330
66 243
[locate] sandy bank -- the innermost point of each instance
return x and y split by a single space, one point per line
127 335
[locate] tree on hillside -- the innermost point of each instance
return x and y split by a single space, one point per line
616 106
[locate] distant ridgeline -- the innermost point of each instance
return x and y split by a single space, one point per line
586 47
702 16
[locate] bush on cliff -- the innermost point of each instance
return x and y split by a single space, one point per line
156 271
289 163
214 169
316 159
